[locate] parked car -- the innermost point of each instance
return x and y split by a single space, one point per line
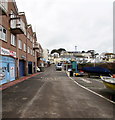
59 66
37 69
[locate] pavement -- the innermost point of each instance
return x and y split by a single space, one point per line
5 86
52 94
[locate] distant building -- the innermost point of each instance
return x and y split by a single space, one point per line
45 54
80 57
39 53
54 58
51 58
107 57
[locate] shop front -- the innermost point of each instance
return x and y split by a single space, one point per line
7 65
7 69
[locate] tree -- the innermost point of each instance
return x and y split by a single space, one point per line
58 50
83 51
53 51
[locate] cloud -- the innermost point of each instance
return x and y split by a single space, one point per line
86 24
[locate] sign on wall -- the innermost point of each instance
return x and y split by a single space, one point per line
4 51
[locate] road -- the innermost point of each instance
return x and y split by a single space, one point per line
52 94
95 84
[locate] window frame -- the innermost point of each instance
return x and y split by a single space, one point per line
13 39
3 35
28 49
20 44
25 46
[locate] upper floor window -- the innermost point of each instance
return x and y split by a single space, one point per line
25 32
24 47
12 15
31 38
13 40
19 44
4 5
33 53
28 49
3 33
28 35
33 42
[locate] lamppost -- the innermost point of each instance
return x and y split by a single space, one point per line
75 48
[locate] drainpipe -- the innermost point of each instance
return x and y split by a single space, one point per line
17 58
26 57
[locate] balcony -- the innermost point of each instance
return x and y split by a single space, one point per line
4 7
36 46
17 26
39 55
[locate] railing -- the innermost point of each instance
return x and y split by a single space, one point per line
38 50
4 6
36 45
39 55
17 23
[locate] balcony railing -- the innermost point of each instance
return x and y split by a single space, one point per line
17 26
4 7
36 45
39 55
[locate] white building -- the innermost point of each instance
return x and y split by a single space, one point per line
78 56
45 54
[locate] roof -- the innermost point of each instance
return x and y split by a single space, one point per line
109 54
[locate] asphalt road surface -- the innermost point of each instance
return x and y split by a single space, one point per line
52 94
95 84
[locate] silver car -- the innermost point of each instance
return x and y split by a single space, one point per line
59 66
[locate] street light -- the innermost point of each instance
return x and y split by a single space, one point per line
75 48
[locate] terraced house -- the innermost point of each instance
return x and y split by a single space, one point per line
20 52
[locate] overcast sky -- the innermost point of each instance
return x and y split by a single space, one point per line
87 24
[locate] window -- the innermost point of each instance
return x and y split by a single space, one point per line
24 47
19 44
33 42
31 38
33 53
28 49
3 33
13 40
33 45
25 31
28 35
12 15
